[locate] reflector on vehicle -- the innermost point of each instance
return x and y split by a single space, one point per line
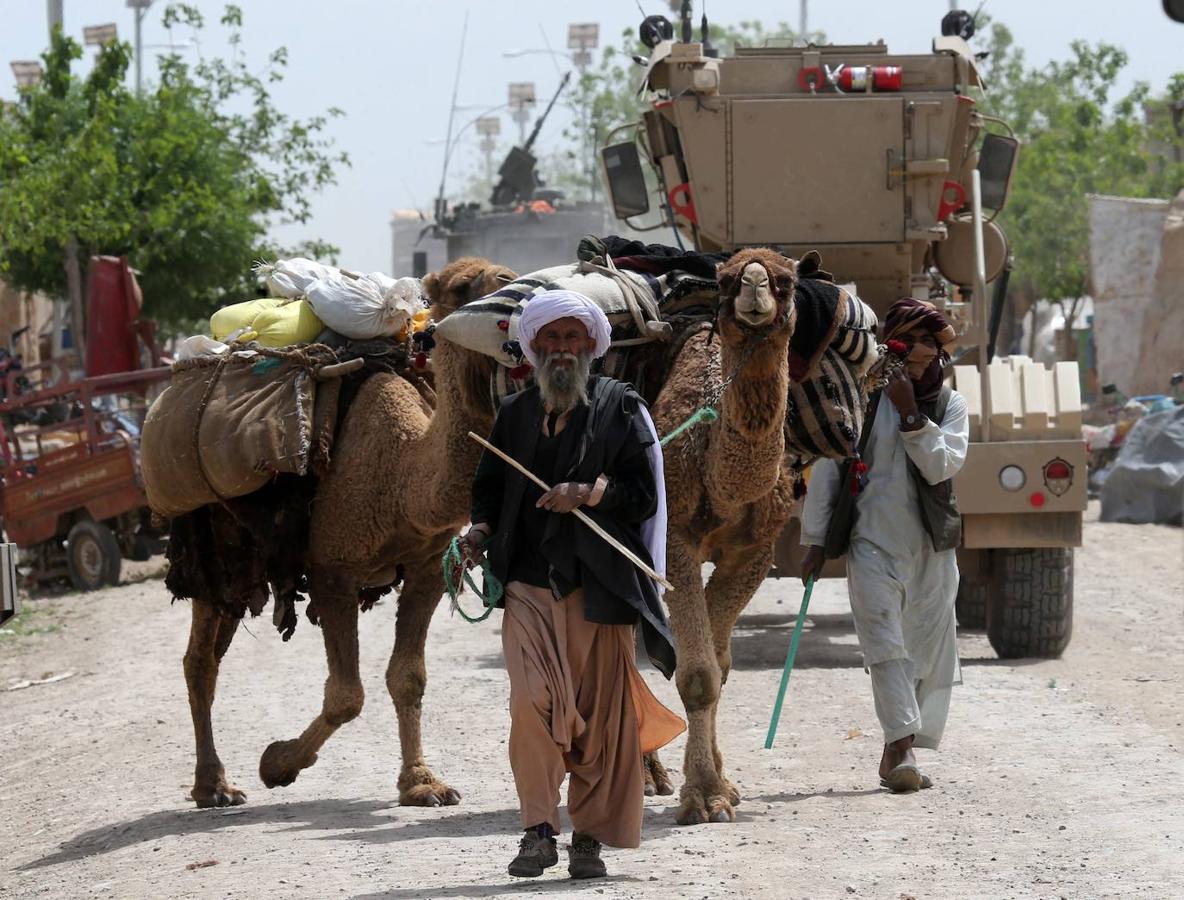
1058 476
1012 478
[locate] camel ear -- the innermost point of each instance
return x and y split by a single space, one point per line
810 266
726 278
431 283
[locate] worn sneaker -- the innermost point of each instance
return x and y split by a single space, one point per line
535 853
583 857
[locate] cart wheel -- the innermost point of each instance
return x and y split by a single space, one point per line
92 555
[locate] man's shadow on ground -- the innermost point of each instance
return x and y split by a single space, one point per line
375 822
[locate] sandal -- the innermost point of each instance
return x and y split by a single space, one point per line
904 779
926 782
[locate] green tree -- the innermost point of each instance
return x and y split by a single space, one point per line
1077 138
184 180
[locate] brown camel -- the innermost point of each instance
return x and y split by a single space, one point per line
395 495
729 494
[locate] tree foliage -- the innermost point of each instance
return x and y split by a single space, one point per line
184 179
1077 137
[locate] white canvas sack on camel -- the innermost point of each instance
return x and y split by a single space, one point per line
477 326
291 277
370 306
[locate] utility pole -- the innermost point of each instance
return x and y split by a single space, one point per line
522 101
54 10
582 39
489 127
141 7
54 16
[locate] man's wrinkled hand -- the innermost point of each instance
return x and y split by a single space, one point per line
900 392
472 547
812 562
565 497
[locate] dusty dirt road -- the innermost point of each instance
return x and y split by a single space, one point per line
1058 778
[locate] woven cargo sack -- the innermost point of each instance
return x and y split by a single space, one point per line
224 428
488 323
825 412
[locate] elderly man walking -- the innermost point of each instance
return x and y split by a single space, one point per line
578 704
901 568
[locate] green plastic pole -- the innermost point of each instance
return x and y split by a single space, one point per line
793 652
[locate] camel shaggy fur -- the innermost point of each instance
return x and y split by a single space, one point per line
729 493
395 495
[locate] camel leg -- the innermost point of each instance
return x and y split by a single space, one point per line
406 678
703 797
730 589
282 761
209 638
657 779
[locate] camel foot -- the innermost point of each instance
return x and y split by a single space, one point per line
216 795
698 808
657 779
418 786
281 763
731 792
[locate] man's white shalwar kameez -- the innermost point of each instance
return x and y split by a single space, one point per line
902 591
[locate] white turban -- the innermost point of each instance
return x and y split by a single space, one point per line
544 308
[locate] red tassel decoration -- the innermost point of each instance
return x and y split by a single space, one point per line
520 373
898 348
421 360
503 324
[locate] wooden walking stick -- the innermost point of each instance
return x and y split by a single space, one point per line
789 658
613 542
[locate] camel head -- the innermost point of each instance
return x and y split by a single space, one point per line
458 283
464 280
756 294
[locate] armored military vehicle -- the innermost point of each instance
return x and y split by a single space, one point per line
885 165
525 225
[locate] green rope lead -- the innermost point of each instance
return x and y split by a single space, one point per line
706 414
789 658
452 559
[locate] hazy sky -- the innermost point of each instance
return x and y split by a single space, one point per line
390 66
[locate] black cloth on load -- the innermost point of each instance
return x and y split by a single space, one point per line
656 259
816 303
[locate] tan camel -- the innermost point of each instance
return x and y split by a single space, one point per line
396 493
729 495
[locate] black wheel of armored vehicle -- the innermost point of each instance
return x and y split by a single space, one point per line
1030 613
974 592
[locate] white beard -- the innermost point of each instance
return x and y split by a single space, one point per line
563 386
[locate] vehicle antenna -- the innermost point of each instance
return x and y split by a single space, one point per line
451 116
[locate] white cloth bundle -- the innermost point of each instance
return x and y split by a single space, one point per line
371 306
292 277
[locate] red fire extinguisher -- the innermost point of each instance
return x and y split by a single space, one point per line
855 78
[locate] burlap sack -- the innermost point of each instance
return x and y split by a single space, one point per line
255 423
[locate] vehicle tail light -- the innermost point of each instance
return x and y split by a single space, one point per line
1058 468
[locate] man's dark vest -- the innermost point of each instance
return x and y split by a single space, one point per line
939 506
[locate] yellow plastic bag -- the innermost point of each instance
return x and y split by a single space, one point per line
272 321
417 324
